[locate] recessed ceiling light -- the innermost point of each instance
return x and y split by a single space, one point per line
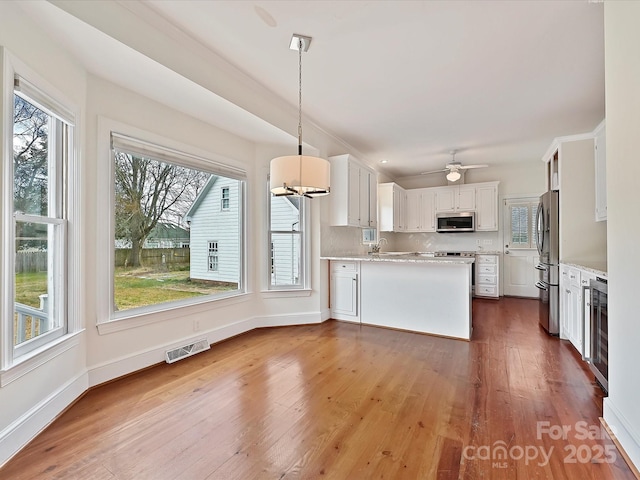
384 161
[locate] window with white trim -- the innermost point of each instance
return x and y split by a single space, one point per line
225 201
522 218
35 203
287 243
213 256
154 186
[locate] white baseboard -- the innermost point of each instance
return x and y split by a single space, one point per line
24 429
28 426
137 361
623 430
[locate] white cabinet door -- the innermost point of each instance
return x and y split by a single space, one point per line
458 198
445 199
413 211
399 211
428 214
344 293
354 194
487 208
391 202
565 301
373 199
344 290
466 198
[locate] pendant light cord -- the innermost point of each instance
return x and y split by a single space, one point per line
300 96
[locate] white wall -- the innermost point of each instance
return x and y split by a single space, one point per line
583 241
31 401
622 76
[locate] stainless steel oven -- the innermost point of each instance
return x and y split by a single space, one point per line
598 354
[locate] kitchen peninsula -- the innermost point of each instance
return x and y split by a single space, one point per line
408 291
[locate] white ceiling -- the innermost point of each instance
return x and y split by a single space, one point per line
408 81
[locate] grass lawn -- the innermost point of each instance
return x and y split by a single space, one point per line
133 287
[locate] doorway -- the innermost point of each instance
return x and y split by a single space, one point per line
520 253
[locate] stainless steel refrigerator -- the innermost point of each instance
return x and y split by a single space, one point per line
548 242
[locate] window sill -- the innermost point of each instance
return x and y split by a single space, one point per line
170 312
298 292
32 360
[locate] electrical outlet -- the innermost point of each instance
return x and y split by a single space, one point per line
478 241
488 241
196 325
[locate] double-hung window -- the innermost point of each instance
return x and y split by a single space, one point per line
213 256
287 242
36 204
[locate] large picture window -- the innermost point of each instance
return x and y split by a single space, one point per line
166 210
286 242
42 145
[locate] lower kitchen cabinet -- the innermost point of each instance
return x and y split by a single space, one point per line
487 276
344 290
575 298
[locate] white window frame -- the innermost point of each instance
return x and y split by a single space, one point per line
532 205
225 199
161 148
212 256
304 282
15 361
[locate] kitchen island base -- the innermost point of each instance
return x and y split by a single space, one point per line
422 297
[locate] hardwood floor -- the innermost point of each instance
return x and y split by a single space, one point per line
341 401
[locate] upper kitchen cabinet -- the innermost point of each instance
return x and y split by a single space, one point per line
487 206
600 147
459 198
353 193
392 202
420 214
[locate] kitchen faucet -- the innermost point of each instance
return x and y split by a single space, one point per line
375 247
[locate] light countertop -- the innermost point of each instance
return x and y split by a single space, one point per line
400 258
597 268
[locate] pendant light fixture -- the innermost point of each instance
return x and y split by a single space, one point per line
299 174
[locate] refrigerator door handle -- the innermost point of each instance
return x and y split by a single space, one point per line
541 267
540 228
541 286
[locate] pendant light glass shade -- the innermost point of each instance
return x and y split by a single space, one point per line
299 174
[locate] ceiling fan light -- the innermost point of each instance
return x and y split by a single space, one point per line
453 176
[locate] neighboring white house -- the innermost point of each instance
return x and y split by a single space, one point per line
215 235
215 231
285 247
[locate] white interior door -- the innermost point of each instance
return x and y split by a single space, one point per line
520 253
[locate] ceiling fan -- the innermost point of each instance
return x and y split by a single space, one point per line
454 168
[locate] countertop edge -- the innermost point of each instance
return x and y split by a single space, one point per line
399 259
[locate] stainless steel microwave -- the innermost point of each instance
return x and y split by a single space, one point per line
447 222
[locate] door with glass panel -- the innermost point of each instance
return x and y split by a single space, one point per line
520 253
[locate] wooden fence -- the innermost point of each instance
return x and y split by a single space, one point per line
37 261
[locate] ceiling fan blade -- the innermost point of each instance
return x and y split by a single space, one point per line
435 171
466 167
